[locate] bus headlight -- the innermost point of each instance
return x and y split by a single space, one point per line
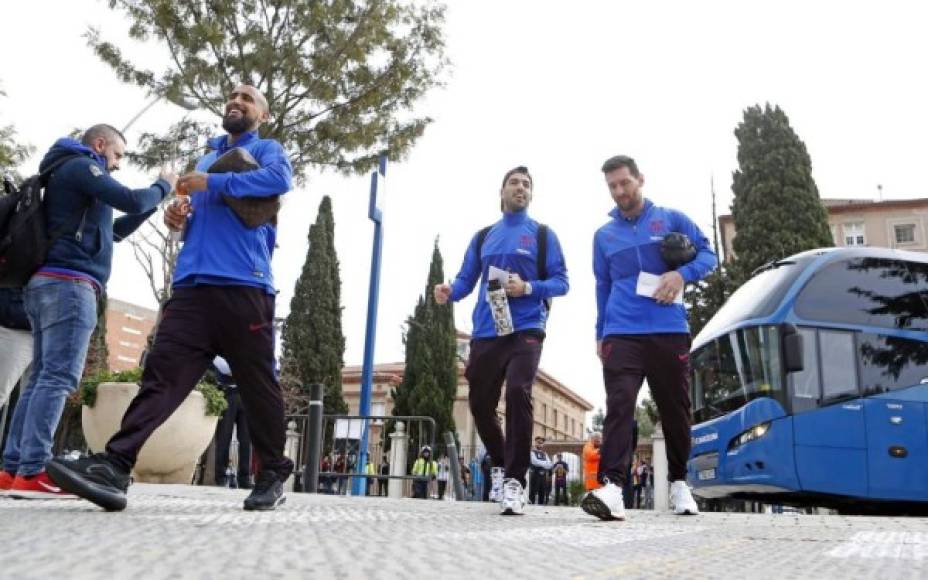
755 432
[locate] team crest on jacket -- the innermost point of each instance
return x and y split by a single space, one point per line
656 226
526 241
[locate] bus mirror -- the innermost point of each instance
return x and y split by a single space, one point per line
792 352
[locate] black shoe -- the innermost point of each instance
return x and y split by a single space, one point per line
267 494
93 478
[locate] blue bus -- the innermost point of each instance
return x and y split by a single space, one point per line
810 385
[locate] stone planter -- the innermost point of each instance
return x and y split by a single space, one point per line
170 455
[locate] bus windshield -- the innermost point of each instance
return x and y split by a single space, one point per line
735 368
758 297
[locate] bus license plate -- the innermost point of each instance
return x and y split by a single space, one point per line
706 474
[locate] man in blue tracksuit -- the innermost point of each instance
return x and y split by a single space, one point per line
222 303
61 297
642 333
511 244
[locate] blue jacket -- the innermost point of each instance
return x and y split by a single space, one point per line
12 309
83 185
622 249
511 245
218 248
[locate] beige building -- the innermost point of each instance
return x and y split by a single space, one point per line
898 223
560 413
127 329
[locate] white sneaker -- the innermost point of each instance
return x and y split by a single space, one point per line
681 499
513 501
497 474
606 503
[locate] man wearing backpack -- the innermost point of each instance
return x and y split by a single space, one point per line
531 254
222 302
61 297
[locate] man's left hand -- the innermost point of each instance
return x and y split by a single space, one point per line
516 286
669 286
191 182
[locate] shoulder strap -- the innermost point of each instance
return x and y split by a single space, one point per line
481 236
47 172
43 180
542 256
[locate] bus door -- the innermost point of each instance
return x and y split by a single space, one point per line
895 370
828 422
898 451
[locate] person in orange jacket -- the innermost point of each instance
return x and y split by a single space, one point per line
591 461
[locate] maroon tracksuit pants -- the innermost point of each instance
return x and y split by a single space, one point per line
512 359
236 322
663 359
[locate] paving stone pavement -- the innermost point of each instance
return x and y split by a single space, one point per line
173 531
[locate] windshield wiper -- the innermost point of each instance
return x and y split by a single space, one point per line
772 266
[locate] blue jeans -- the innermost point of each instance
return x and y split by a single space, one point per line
63 314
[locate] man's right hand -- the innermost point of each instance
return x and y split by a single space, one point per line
175 214
168 175
442 293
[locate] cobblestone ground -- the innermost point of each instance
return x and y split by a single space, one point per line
172 531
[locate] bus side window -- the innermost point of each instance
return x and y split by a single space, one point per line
805 384
839 365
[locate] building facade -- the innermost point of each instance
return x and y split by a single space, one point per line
560 413
898 223
127 329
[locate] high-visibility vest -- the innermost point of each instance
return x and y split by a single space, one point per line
590 466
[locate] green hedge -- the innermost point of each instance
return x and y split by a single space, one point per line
215 401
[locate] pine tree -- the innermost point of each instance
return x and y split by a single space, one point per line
12 151
341 77
430 377
314 346
776 208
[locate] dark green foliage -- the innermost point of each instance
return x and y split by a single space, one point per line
596 422
431 374
314 346
216 403
12 151
341 76
704 298
776 207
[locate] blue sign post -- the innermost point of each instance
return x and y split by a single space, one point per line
375 213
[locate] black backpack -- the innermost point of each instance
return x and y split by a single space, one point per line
24 240
541 238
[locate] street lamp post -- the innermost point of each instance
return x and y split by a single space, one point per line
375 213
182 103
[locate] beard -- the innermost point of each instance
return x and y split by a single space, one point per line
236 126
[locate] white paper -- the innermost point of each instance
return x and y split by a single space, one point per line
647 286
495 273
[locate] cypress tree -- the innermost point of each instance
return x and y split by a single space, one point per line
776 207
430 377
314 346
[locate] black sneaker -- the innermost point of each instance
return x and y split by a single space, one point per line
267 494
93 478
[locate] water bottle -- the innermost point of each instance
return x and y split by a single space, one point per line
181 200
499 308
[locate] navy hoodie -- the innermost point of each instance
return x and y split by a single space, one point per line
79 200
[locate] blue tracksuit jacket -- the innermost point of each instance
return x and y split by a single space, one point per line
511 244
218 248
622 249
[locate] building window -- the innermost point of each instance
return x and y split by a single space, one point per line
544 413
134 331
555 418
905 233
378 408
854 234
